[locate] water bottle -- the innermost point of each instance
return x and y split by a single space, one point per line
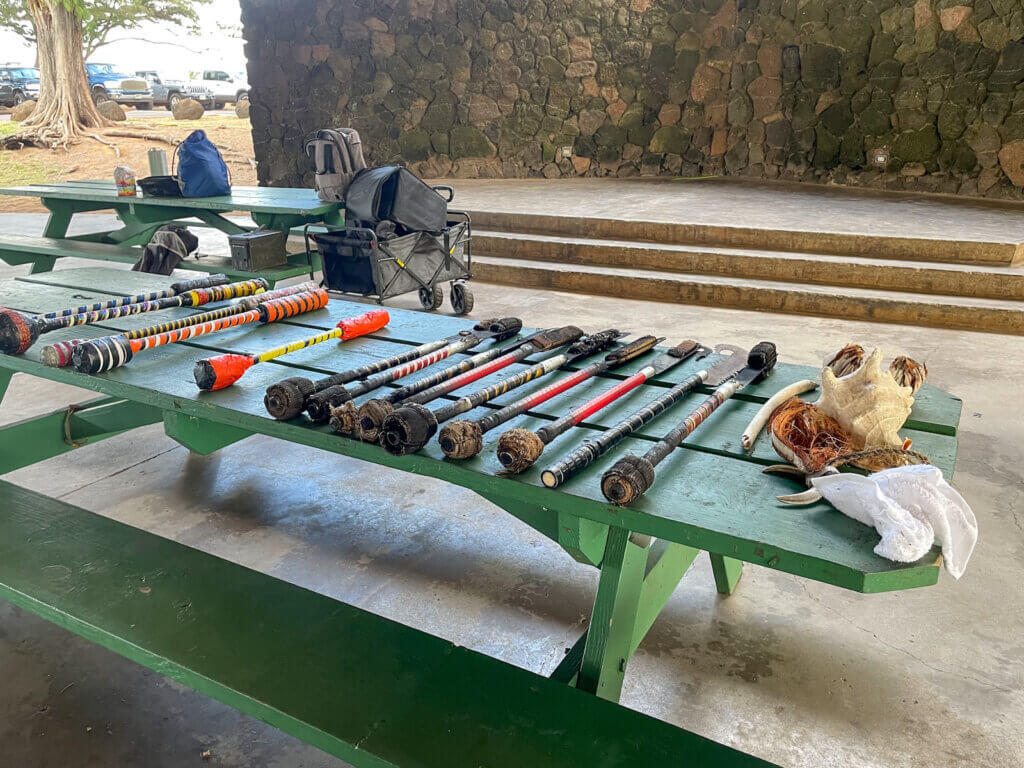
158 163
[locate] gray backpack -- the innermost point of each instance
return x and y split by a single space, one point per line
337 156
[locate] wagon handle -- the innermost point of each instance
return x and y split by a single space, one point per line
444 187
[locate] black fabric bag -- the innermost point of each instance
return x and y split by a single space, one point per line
161 186
393 193
168 247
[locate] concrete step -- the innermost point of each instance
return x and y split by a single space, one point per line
1005 250
992 315
977 280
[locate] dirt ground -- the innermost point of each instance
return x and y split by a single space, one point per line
89 159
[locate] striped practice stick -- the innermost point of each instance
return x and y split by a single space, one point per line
18 332
59 355
180 287
367 420
410 427
631 476
289 397
593 449
518 448
97 355
464 439
224 370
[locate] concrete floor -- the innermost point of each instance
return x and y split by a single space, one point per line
744 203
794 671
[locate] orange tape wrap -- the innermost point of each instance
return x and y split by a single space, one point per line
222 371
368 322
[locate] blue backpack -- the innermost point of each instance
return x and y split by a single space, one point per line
201 168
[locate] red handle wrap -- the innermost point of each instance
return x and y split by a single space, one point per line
593 406
368 322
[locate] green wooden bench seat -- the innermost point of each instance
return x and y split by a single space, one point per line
42 252
361 687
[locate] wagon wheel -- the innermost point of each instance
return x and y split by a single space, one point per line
462 299
431 298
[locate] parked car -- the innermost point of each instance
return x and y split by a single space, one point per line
24 82
167 92
107 84
225 88
7 97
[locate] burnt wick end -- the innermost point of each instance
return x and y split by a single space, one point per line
518 449
627 480
461 439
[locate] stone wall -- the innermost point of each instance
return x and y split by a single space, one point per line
921 94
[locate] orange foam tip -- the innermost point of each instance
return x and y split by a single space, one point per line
221 371
368 322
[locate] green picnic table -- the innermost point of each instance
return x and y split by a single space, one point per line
368 690
270 207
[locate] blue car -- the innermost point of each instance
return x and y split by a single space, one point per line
24 82
107 84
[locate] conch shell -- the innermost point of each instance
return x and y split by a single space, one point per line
868 404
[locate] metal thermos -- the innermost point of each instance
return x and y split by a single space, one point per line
158 163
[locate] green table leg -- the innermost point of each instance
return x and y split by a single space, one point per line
200 436
56 227
43 437
215 220
5 381
727 573
609 640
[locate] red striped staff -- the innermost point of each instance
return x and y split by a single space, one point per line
18 332
631 476
410 427
98 355
463 439
288 398
366 421
222 371
59 355
519 448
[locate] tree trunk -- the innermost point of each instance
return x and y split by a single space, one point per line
65 109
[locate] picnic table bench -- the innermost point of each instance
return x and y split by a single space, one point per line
270 207
710 496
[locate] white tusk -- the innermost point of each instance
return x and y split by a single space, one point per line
782 469
761 417
809 496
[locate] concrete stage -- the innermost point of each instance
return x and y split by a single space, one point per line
793 671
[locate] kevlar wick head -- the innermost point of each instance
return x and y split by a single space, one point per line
59 355
627 480
286 399
221 371
407 430
461 439
518 449
18 332
104 354
762 357
371 415
319 405
343 419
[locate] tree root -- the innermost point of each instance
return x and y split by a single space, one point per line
93 136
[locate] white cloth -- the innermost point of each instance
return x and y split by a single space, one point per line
911 508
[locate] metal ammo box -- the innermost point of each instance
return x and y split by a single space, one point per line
255 251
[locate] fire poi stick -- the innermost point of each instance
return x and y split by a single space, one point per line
180 287
289 397
325 405
631 476
224 370
59 355
365 420
464 439
594 448
519 448
18 332
97 355
372 413
410 427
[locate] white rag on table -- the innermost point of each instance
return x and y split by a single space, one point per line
911 508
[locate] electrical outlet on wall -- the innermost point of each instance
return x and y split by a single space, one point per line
566 152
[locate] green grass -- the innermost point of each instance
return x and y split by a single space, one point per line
15 171
8 127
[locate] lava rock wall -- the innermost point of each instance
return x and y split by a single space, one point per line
898 94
